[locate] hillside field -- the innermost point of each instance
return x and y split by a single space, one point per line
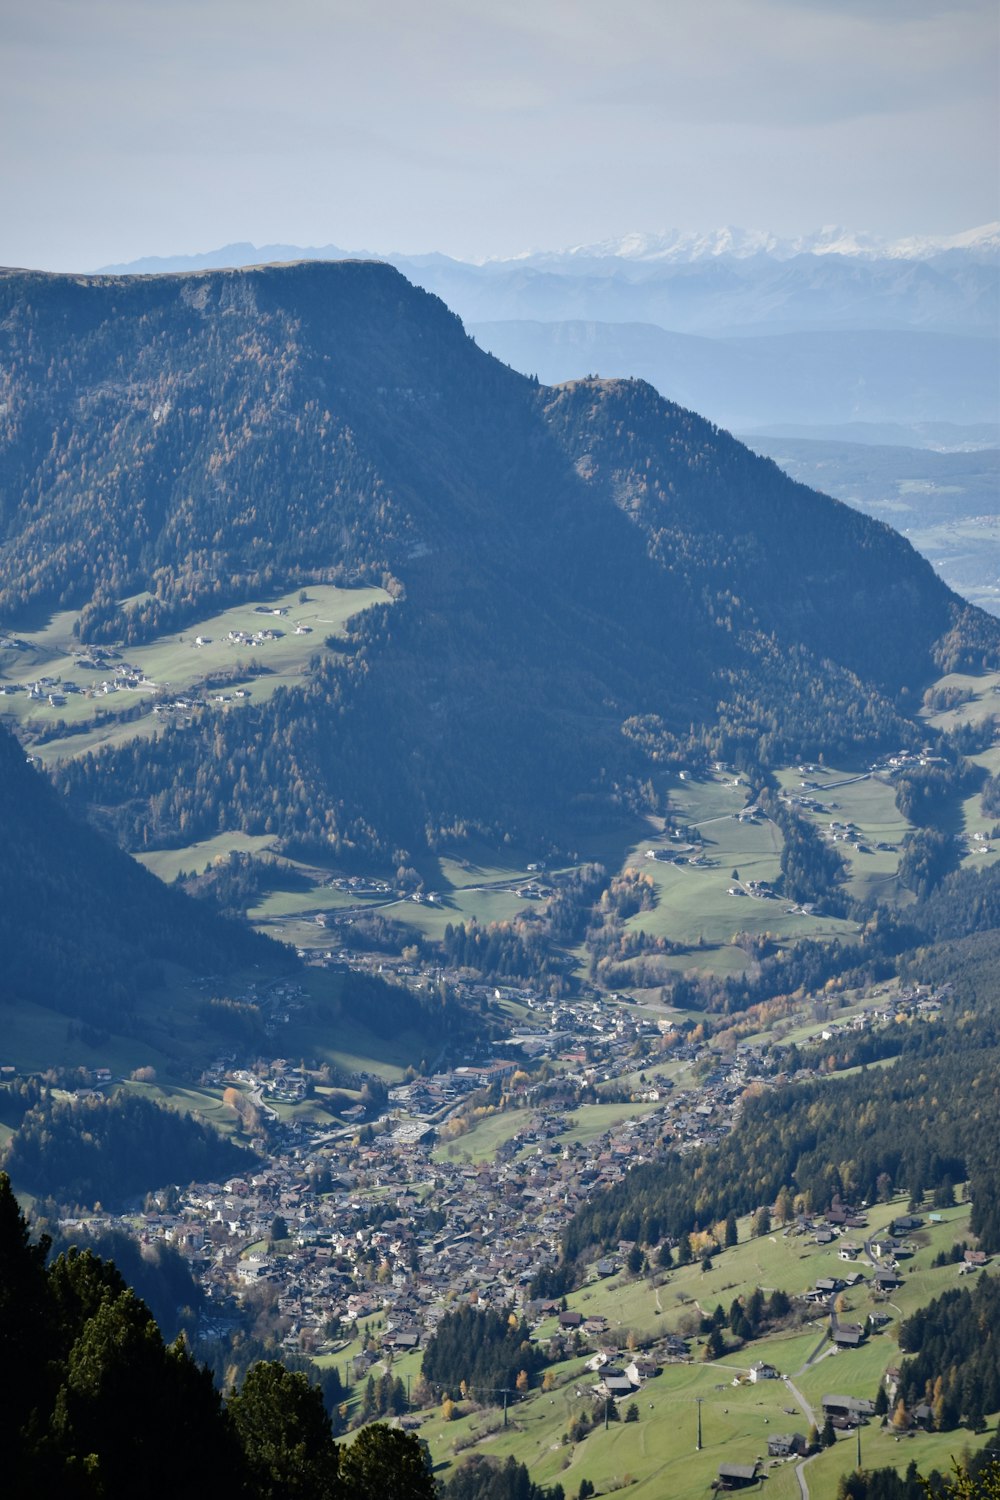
175 664
657 1455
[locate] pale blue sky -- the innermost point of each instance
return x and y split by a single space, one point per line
137 128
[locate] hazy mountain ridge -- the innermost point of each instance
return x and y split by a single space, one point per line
581 574
730 282
827 377
741 244
680 245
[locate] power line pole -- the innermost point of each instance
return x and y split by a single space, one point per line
698 1401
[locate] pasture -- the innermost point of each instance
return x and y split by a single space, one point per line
694 904
176 664
657 1454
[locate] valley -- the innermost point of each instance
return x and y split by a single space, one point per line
551 845
944 502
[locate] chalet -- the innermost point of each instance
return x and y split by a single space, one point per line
763 1371
887 1280
784 1445
614 1385
737 1476
403 1340
847 1411
848 1335
975 1259
570 1319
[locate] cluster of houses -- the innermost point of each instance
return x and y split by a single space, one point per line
55 690
253 637
496 1223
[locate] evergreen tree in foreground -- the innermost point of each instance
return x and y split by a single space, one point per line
97 1407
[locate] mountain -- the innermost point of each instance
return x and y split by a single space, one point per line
820 379
727 282
590 583
83 928
741 244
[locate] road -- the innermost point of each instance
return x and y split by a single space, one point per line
808 1412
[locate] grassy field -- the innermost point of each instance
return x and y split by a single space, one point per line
35 1038
169 863
693 902
870 803
981 694
174 664
168 1031
190 1101
464 888
485 1139
656 1455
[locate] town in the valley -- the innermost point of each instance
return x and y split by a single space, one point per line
357 1235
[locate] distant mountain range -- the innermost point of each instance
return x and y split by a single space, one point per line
728 282
730 243
755 331
592 584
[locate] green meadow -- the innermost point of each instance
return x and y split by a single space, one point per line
693 901
175 664
657 1456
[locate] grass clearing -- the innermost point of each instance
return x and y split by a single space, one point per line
174 664
195 858
482 1142
869 802
693 901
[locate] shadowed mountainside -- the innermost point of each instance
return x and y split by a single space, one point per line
589 580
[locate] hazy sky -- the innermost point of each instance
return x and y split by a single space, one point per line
145 127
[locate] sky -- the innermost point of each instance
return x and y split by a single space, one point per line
486 127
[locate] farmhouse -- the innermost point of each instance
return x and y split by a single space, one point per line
848 1335
847 1411
737 1476
783 1445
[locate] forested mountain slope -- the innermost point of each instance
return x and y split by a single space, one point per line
83 928
582 574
